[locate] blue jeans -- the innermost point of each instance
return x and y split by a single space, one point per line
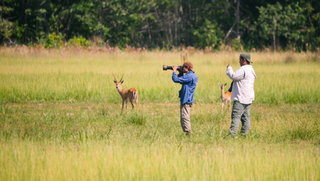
240 112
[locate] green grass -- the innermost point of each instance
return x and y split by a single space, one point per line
239 160
88 77
60 119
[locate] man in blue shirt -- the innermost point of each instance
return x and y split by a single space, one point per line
189 82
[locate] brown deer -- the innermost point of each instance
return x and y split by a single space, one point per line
126 94
225 96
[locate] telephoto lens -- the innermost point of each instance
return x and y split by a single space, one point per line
166 67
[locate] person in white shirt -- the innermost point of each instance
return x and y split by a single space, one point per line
242 94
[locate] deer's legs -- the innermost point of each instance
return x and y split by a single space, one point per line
122 106
132 104
229 104
137 99
127 104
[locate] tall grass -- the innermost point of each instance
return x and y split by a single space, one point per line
109 161
88 77
60 118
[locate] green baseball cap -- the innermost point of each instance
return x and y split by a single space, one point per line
246 56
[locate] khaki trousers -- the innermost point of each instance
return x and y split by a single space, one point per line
185 117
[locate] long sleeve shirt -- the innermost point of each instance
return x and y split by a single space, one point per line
243 83
189 82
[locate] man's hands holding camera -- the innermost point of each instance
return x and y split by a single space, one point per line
174 68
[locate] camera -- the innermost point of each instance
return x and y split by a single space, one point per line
180 68
166 67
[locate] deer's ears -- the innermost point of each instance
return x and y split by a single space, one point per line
115 81
122 82
225 84
219 84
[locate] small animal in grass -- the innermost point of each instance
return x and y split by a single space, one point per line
126 94
225 96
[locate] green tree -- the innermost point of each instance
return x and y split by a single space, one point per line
6 27
207 35
278 22
163 23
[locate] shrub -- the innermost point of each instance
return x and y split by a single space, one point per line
209 34
235 44
53 41
79 41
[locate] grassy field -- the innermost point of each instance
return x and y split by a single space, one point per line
60 118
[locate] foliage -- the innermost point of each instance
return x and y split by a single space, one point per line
209 34
276 21
54 41
6 29
164 24
235 44
78 41
6 26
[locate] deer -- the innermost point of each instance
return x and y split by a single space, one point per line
126 94
225 96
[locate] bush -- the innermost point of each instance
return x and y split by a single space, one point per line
79 41
235 44
53 41
207 35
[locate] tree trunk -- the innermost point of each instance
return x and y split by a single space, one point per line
238 18
149 32
69 22
274 34
176 27
226 5
274 41
25 4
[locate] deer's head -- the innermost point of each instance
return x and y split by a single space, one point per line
118 83
222 86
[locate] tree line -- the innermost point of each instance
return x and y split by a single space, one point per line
165 24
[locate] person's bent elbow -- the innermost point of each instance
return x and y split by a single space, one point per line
175 79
